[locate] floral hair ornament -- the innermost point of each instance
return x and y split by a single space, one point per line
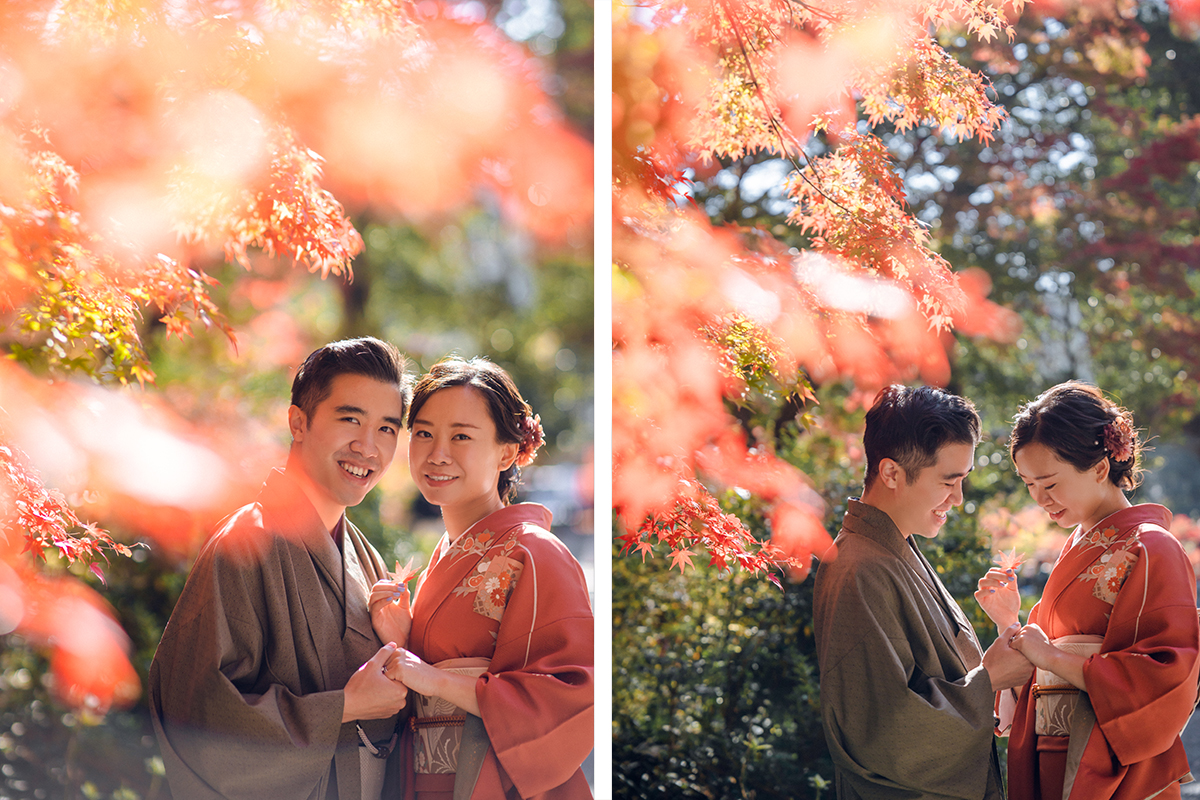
1118 439
532 438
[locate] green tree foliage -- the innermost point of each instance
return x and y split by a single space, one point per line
715 691
714 686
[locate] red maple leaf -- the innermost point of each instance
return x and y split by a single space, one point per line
1010 560
681 557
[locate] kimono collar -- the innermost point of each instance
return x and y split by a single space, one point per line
288 512
509 516
869 521
1128 518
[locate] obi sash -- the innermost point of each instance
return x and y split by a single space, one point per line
447 740
1055 698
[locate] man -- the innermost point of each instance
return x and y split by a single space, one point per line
268 682
906 694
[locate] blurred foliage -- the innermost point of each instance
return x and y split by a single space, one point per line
467 282
1033 210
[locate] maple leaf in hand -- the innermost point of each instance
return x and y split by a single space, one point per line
1010 560
401 576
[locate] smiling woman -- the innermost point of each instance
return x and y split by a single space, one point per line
500 653
1115 637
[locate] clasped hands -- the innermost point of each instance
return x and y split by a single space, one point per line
1012 657
999 597
391 616
379 688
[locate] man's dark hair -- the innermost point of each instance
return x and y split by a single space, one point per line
910 425
365 356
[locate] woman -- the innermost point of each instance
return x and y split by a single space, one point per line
499 641
1115 637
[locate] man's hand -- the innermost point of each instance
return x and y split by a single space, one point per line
390 614
999 597
1005 666
372 695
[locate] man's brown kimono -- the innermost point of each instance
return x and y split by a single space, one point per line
907 704
246 685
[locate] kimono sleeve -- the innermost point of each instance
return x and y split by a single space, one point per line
893 717
1142 684
227 727
537 699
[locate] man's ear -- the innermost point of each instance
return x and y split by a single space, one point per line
891 473
297 423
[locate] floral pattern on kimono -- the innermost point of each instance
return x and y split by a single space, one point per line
493 579
1112 568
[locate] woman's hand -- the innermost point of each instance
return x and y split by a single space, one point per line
999 597
391 616
1032 642
424 679
405 667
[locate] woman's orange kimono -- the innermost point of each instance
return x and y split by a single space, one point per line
1128 580
510 592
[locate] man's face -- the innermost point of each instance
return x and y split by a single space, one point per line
347 444
923 504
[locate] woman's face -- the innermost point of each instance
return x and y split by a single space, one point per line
1071 497
453 453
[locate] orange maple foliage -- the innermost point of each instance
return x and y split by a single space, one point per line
868 302
143 141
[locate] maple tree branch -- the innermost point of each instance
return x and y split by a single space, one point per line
816 12
775 124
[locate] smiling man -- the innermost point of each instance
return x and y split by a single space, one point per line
268 681
906 693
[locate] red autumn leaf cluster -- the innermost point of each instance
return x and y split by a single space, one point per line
41 519
867 301
142 143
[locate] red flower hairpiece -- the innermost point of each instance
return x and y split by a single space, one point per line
1118 439
532 438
